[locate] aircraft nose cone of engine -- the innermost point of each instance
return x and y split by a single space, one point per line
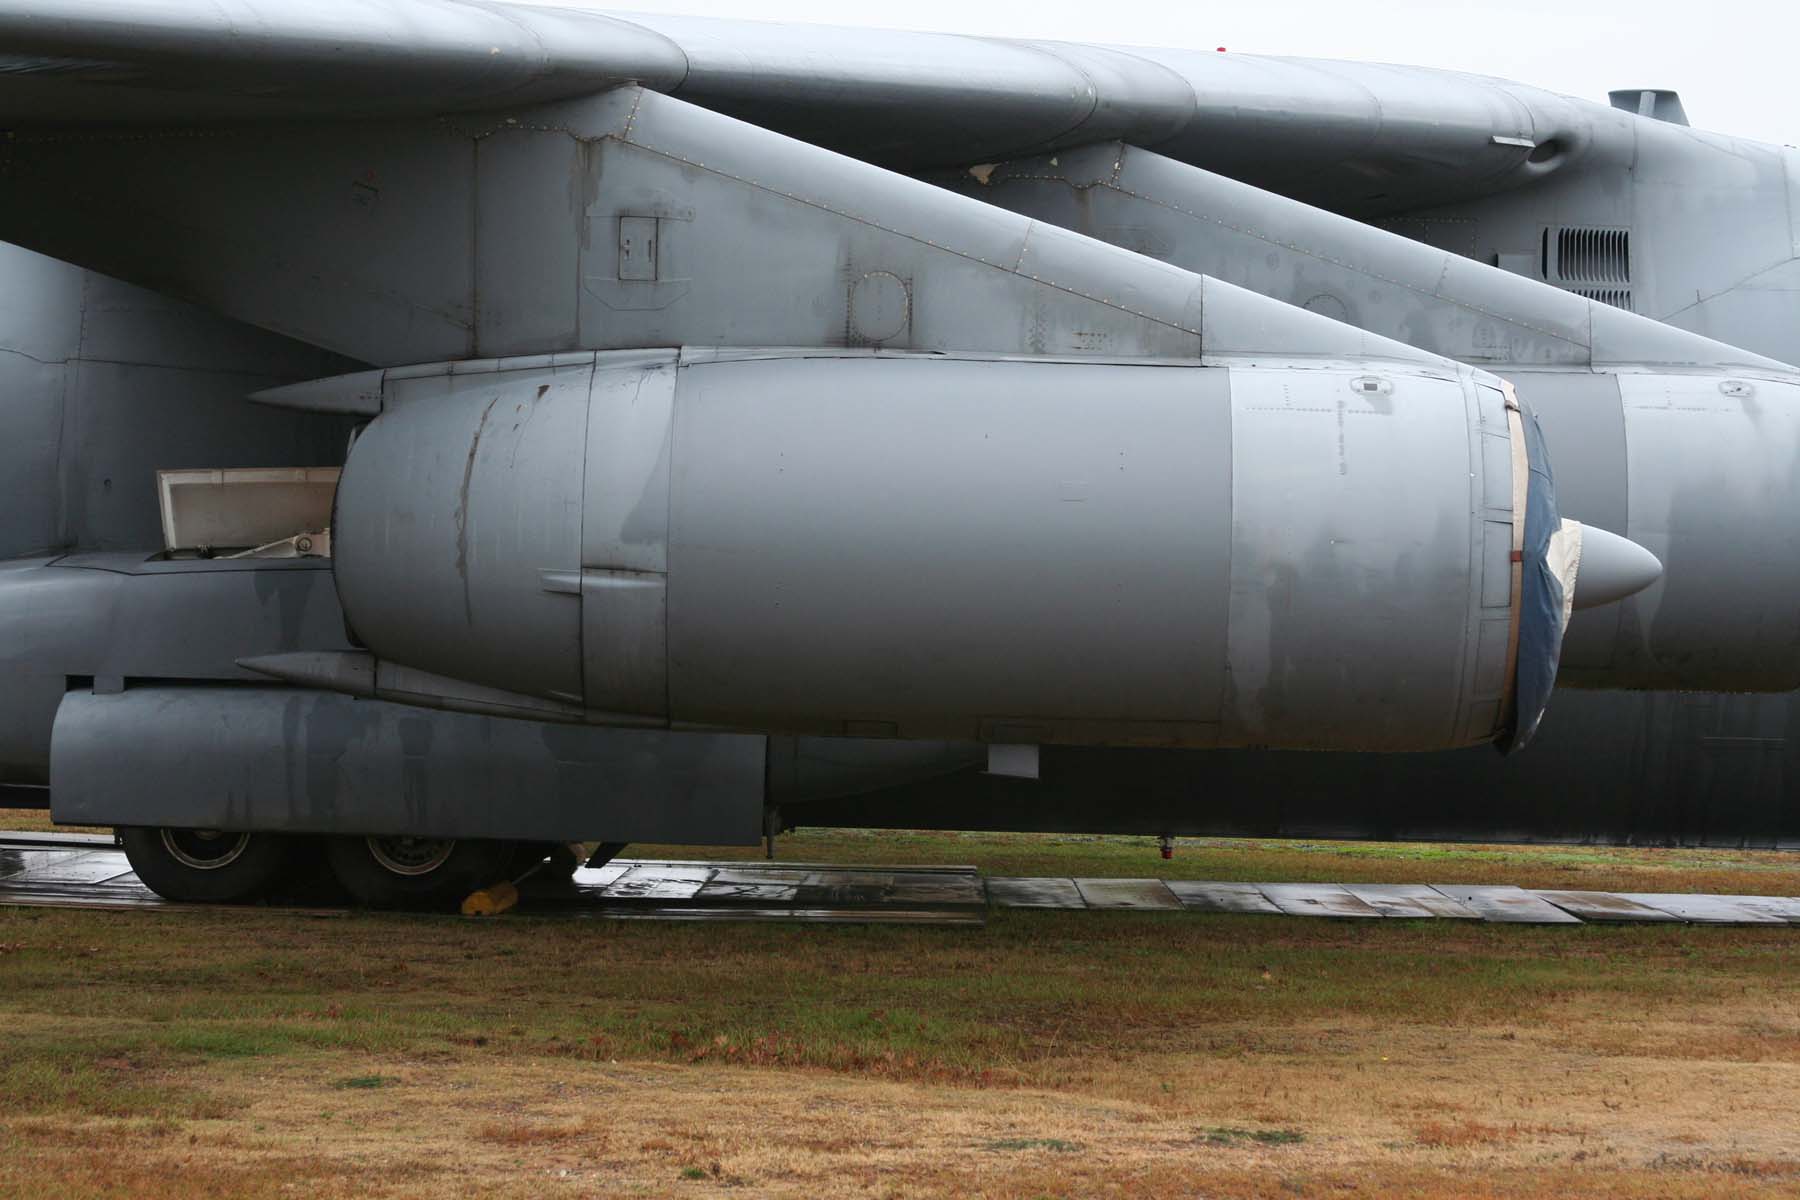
1612 568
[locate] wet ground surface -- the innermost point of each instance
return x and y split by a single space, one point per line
89 871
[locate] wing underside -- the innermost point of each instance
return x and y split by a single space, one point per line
1356 137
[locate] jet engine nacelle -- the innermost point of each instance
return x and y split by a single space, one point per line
1296 554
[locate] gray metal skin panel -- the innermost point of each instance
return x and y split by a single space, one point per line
1714 472
113 617
1046 542
1583 421
1368 277
1714 481
130 661
1710 482
940 546
292 761
102 384
1361 138
464 532
1478 165
1651 768
619 221
1714 231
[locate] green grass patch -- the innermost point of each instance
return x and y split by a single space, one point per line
1221 1135
32 1085
364 1082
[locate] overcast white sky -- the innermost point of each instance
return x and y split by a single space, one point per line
1735 62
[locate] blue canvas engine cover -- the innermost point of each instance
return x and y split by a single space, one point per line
1541 602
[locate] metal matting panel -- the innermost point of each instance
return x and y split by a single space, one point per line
1705 910
78 867
844 888
1005 892
655 881
84 871
1506 904
1317 900
58 897
1603 906
910 888
1410 900
737 891
764 866
1785 907
600 877
74 871
1221 897
1127 893
810 916
55 840
760 875
17 863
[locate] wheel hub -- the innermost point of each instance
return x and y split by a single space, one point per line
411 855
204 849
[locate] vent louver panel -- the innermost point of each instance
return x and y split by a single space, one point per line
1586 255
1591 262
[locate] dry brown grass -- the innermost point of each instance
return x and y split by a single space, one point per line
674 1130
1441 1135
527 1133
261 1054
37 820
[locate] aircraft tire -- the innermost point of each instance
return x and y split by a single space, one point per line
204 865
409 872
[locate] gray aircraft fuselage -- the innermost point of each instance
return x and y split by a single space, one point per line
1634 279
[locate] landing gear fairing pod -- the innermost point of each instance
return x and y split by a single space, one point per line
1304 554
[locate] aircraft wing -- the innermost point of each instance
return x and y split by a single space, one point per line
74 61
1359 138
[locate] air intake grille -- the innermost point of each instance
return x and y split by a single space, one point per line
1590 256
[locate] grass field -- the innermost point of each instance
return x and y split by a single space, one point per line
255 1053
